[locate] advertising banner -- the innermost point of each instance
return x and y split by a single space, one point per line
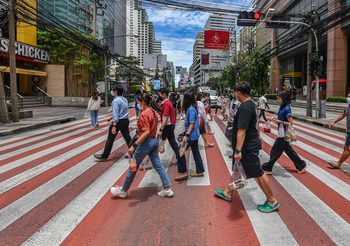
216 39
156 84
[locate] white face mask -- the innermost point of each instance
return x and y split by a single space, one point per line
112 93
203 99
348 100
140 107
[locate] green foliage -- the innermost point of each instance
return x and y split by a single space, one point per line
271 96
255 70
336 99
129 70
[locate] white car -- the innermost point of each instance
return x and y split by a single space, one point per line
213 94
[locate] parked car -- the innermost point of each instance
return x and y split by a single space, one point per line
213 95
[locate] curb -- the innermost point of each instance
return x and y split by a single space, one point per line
311 121
37 126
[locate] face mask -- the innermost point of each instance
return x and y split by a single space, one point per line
203 99
141 108
348 100
112 93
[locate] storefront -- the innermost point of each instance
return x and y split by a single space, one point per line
30 63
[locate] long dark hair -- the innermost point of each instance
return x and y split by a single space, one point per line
285 96
94 95
189 100
145 97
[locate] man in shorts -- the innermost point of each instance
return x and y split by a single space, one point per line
246 145
346 152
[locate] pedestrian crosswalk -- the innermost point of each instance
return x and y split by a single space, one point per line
52 189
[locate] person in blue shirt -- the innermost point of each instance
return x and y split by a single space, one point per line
119 122
284 120
136 104
191 135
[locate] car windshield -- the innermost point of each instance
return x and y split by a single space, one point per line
212 93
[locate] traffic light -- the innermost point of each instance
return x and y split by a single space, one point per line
248 18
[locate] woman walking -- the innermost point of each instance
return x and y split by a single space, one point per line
203 120
191 136
145 144
284 120
94 106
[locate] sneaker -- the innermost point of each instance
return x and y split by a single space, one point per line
100 157
166 193
302 170
221 194
118 192
268 208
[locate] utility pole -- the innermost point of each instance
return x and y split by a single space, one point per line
106 78
12 58
4 117
309 79
94 16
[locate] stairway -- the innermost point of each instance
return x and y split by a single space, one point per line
33 101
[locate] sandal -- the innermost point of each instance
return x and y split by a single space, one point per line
209 145
334 165
181 178
268 208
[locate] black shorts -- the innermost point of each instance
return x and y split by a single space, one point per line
202 129
251 163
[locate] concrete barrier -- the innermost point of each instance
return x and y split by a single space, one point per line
70 101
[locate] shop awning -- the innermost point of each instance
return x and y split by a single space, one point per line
24 71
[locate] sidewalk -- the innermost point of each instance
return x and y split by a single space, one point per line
300 114
45 116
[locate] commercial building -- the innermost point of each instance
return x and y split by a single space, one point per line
289 63
247 38
157 47
132 30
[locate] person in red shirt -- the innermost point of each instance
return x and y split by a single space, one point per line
145 144
167 126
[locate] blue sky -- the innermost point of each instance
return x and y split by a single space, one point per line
177 29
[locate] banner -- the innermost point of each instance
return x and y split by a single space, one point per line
215 39
205 59
156 84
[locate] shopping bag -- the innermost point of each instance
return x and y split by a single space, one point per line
161 146
183 148
86 114
238 177
229 130
267 127
290 135
281 132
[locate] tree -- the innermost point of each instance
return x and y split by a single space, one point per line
256 72
129 70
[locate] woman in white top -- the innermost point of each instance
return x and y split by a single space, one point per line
94 106
203 120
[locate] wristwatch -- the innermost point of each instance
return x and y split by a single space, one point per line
187 135
238 151
135 145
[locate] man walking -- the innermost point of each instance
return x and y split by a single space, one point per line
246 145
262 105
167 126
120 122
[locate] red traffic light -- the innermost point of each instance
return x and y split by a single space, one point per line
257 15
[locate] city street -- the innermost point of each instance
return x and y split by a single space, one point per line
53 191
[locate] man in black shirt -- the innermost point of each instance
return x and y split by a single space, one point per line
246 145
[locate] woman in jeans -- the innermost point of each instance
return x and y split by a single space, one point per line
94 106
281 145
191 136
203 120
145 144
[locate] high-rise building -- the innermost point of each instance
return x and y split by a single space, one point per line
132 28
120 28
225 23
157 47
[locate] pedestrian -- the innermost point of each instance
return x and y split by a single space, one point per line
346 152
207 104
167 127
246 145
93 107
191 136
225 105
284 120
234 105
145 144
262 106
203 120
219 104
138 92
119 122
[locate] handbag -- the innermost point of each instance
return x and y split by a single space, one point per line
267 127
86 114
238 177
161 146
229 130
290 135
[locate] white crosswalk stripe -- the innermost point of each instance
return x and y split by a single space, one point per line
198 181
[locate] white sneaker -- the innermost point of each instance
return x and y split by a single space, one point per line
118 192
302 170
166 193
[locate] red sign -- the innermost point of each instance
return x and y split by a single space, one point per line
205 59
215 39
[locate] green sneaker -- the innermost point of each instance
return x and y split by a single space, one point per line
268 208
220 193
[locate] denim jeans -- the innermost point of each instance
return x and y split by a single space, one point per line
196 155
148 147
93 115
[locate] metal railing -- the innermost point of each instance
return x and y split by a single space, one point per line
8 97
47 99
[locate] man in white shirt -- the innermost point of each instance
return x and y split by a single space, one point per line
262 105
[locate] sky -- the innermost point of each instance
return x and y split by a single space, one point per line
177 29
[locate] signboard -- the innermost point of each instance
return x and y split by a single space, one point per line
25 52
205 59
156 84
216 39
